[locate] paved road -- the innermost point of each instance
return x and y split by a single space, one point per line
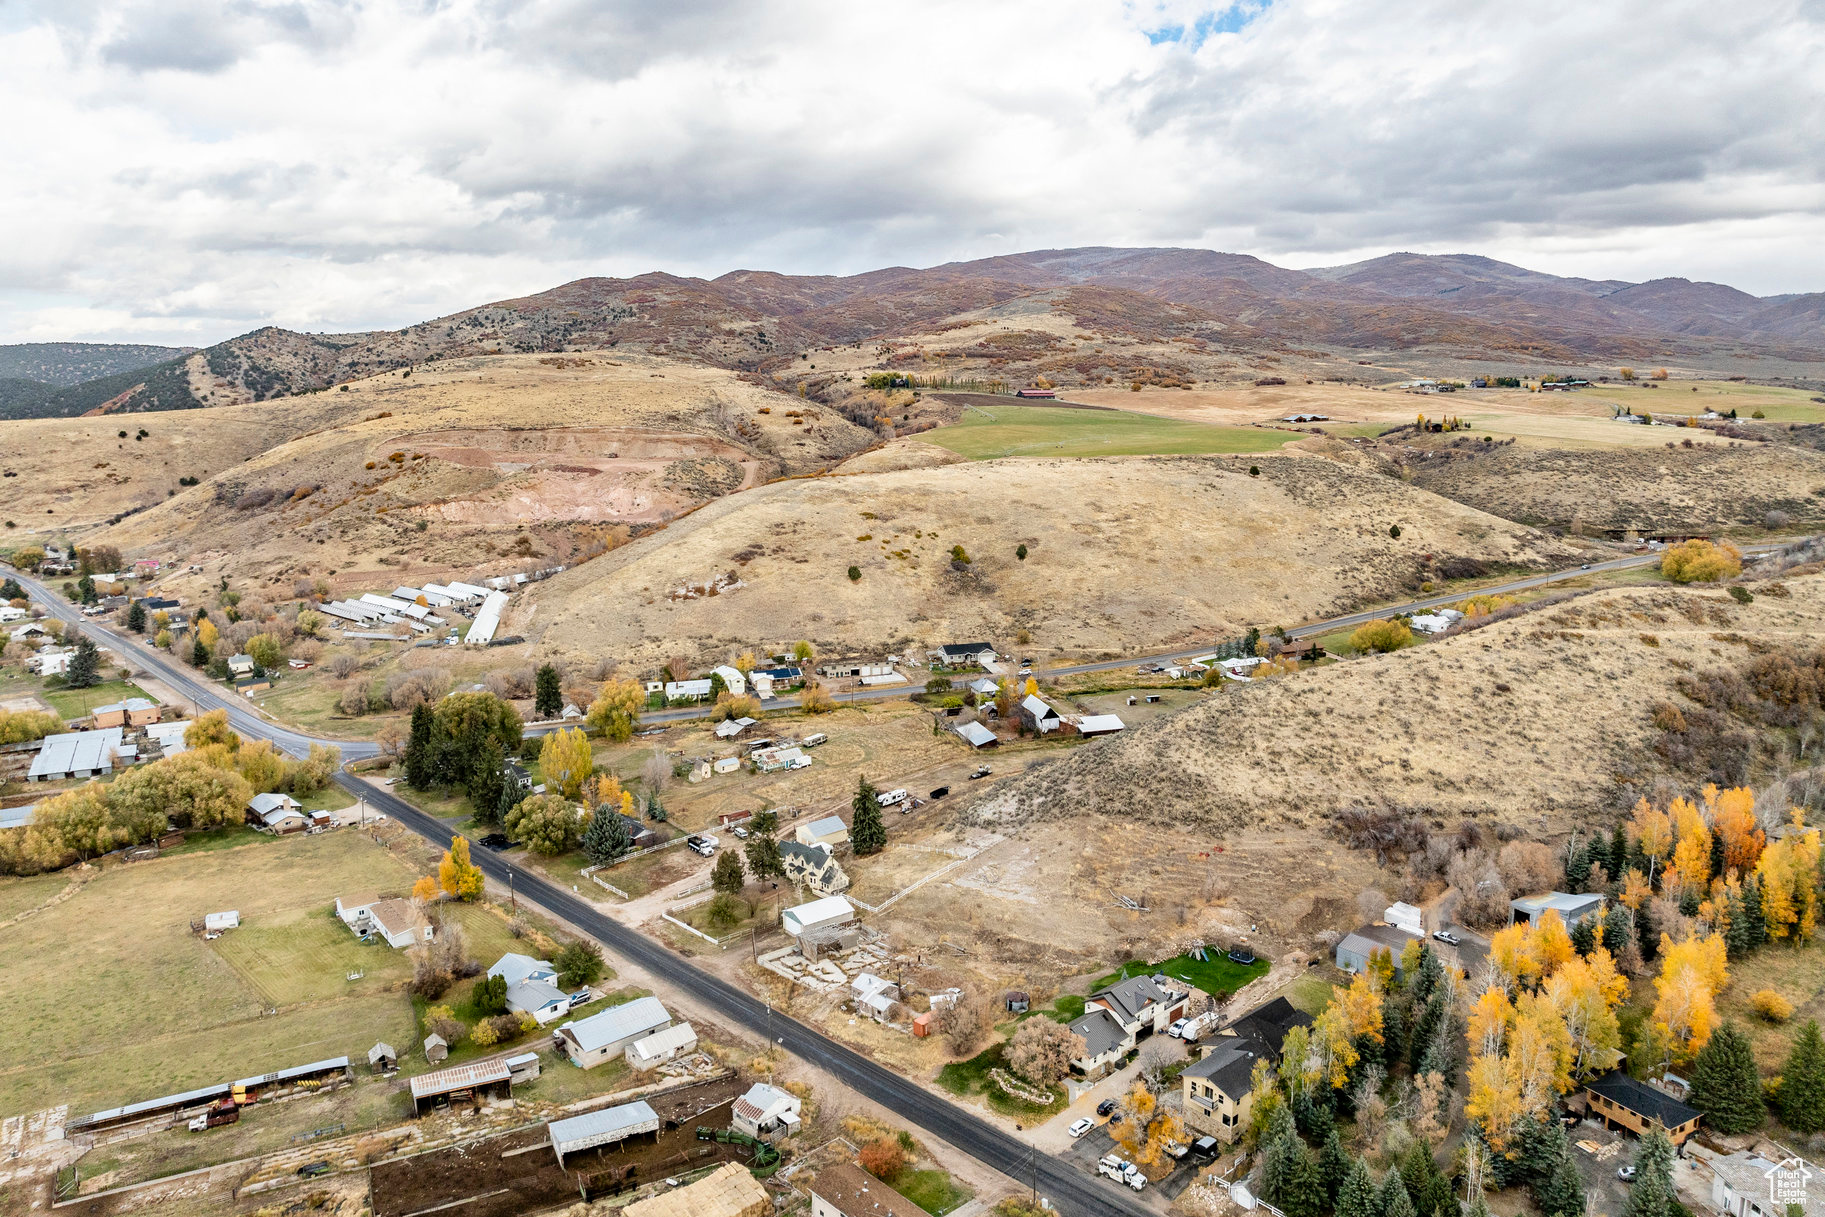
1073 1193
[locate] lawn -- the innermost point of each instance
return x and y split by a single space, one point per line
1213 974
1310 993
143 1007
971 1077
1798 976
75 703
932 1190
218 838
988 432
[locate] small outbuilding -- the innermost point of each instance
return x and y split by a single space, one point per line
382 1058
766 1112
976 735
215 923
731 1190
436 1048
829 831
803 919
650 1052
469 1083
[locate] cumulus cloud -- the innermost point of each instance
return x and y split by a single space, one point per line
188 169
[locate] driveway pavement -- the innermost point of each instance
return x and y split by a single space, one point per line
1054 1135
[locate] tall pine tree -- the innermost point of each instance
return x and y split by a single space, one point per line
1392 1199
1356 1198
1803 1082
486 778
1725 1084
867 831
606 837
1561 1193
418 749
547 697
1333 1165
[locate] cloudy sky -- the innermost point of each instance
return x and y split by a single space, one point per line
184 170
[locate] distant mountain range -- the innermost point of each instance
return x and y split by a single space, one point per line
759 321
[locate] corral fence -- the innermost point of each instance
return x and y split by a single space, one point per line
592 871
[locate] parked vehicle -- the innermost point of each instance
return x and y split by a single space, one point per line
1204 1149
1107 1107
741 834
981 771
892 798
1177 1030
1626 1174
814 739
702 843
940 792
1122 1172
1447 937
1081 1127
496 841
1177 1149
310 1170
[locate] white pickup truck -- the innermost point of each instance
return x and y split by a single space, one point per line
1122 1172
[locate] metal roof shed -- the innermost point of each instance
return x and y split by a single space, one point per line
597 1128
804 918
460 1081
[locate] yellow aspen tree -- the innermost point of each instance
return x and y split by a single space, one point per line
1684 1012
565 757
1610 981
1511 955
1549 943
1362 1008
1576 994
1692 861
1333 1047
1494 1100
1540 1049
1489 1021
1636 890
1652 829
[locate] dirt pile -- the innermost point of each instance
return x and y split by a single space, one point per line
1543 720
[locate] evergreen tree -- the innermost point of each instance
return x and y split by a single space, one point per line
1431 971
1618 929
867 832
1416 1170
1333 1165
418 760
1619 852
510 798
1577 866
199 654
763 846
136 617
1648 1197
1396 1026
1479 1206
606 837
1439 1201
1584 937
1717 853
486 778
1391 1200
547 697
1802 1097
727 875
1278 1156
1736 933
85 665
1561 1193
85 590
1356 1197
1302 1192
1647 934
1725 1084
1424 1028
655 810
1755 924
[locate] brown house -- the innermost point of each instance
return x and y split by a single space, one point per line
1622 1102
134 712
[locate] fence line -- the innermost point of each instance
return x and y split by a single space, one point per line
718 943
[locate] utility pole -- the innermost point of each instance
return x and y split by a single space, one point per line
511 898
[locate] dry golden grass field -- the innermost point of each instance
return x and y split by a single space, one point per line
1123 554
1529 721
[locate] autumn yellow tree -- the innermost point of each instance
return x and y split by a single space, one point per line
1652 829
1511 954
566 759
1692 854
456 874
207 634
616 709
1733 819
1636 890
1494 1100
1361 1004
1489 1021
1577 994
1333 1048
1692 973
1787 870
1549 943
604 791
425 890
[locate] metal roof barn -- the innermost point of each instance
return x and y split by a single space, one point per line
605 1127
487 620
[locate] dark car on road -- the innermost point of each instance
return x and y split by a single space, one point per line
1106 1107
496 842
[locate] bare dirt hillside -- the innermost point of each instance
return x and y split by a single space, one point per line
1122 554
1700 489
1543 719
495 463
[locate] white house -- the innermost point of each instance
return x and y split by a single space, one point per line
399 923
539 998
516 968
29 631
766 1112
600 1037
687 690
732 679
1038 715
51 661
10 613
277 813
1435 622
1115 1018
873 995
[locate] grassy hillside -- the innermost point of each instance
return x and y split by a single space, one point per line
1542 721
986 433
1121 554
62 364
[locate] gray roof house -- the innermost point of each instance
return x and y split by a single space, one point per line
516 968
1105 1042
1572 909
602 1037
1115 1018
539 998
1354 949
1746 1184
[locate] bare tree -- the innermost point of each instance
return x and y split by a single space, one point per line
656 771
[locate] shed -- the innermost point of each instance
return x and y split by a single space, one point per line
1099 724
733 727
461 1084
1572 908
80 754
656 1049
816 915
977 736
1355 948
1016 1001
1038 716
436 1048
524 1067
610 1126
382 1058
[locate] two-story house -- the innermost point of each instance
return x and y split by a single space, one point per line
1219 1089
1116 1018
